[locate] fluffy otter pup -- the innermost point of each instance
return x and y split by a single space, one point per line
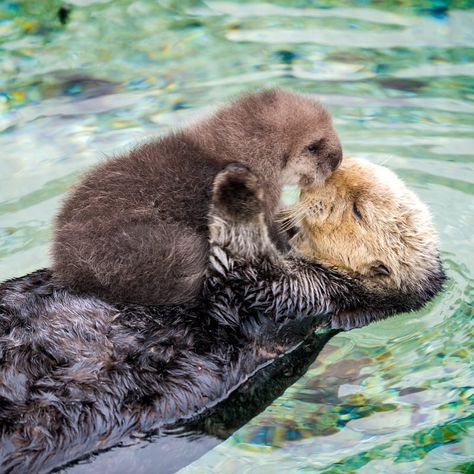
135 228
94 373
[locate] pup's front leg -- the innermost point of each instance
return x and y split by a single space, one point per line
247 277
236 217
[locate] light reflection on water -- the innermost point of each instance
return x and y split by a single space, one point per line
392 397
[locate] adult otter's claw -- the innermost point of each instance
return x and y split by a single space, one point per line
237 194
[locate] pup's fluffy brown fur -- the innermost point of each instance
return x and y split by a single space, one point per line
135 228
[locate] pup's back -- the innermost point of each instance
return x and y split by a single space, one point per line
135 228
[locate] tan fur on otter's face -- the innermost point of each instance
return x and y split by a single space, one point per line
365 220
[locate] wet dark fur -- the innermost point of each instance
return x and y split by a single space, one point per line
135 228
78 374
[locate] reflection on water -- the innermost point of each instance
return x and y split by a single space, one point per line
393 397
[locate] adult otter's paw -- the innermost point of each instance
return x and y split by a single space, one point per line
237 195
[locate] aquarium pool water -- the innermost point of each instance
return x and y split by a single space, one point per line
87 78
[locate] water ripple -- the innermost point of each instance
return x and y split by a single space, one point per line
392 397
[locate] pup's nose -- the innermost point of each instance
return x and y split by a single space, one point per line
335 158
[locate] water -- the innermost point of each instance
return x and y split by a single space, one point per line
394 397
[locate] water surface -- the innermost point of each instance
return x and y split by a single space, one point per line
394 397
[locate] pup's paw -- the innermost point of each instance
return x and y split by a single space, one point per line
237 194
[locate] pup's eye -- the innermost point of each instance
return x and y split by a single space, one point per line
356 212
315 147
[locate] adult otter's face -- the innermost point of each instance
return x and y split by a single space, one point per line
312 148
365 220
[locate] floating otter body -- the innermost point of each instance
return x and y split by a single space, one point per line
79 374
135 228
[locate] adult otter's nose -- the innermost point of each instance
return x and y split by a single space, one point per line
335 158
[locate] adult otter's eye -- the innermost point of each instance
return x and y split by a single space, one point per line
315 147
356 212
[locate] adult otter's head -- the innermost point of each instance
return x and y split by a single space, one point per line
276 130
365 221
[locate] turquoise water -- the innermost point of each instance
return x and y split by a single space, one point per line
393 397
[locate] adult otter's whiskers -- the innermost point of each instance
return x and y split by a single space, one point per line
291 216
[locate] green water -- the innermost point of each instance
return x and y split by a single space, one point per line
394 397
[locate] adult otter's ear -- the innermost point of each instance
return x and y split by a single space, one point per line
378 268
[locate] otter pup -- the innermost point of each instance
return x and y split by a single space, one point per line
135 228
95 373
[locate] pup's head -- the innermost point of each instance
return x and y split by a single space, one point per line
364 220
310 146
293 129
